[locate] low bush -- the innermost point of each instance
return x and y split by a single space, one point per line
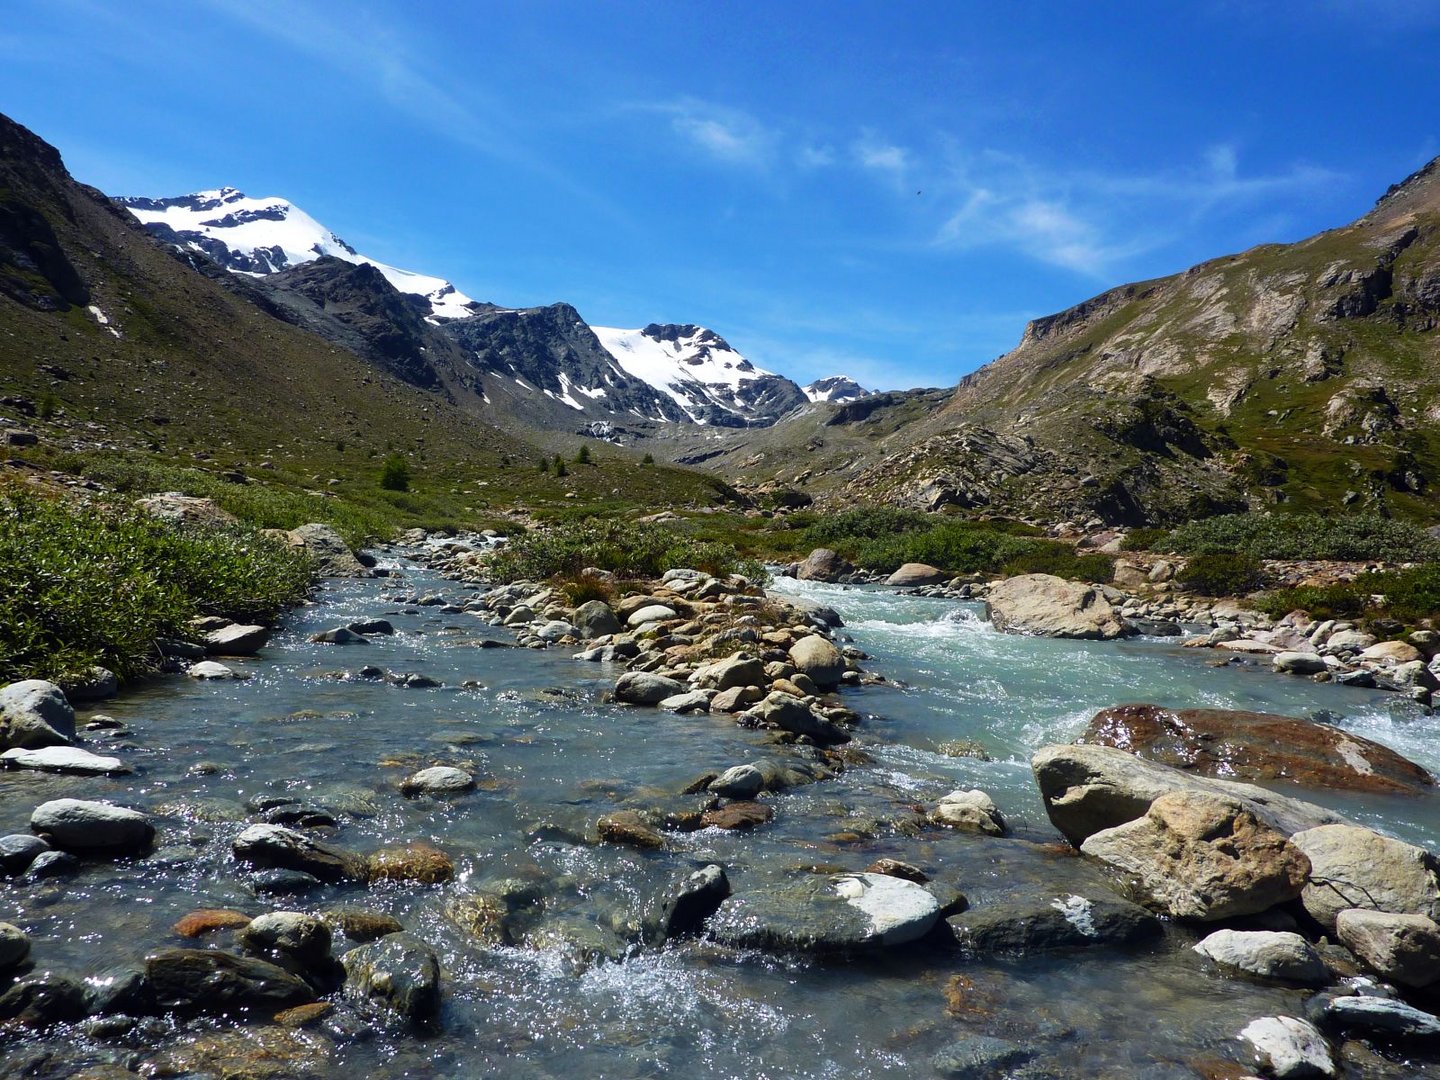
1357 537
582 588
1146 539
84 586
568 548
1050 557
395 474
1221 575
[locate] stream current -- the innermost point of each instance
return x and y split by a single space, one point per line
551 759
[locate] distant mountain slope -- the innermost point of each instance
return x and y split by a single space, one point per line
1305 374
265 236
839 388
698 370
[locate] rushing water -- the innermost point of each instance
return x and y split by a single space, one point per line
551 759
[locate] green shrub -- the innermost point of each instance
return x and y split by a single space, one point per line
87 586
582 588
1356 537
560 469
582 456
395 474
623 548
1342 600
1221 575
1147 539
1052 557
648 459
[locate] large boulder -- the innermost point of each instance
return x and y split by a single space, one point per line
914 574
64 759
1049 923
34 713
186 509
822 564
1355 867
686 903
274 847
1402 948
594 619
971 811
205 981
1089 788
399 975
1200 856
818 658
1048 606
741 669
237 639
79 825
333 557
1268 954
1289 1048
1257 746
789 713
646 688
828 914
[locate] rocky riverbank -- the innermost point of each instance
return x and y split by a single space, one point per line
764 823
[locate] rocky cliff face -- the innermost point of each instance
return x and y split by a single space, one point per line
1301 374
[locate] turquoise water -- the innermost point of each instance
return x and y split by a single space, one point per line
552 758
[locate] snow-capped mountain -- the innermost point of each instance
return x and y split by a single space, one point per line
839 388
699 371
263 236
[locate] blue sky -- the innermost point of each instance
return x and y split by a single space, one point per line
883 189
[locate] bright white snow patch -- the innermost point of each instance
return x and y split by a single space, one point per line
277 234
689 370
102 319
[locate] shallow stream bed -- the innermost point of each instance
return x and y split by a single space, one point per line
551 759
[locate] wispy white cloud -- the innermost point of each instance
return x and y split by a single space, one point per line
724 134
1091 222
873 152
811 156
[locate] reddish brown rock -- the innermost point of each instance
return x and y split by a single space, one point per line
628 828
1237 745
208 920
738 815
415 862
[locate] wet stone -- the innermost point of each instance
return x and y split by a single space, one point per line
199 980
398 974
1049 923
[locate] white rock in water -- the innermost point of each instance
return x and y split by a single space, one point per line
898 910
66 759
212 669
1289 1048
1271 954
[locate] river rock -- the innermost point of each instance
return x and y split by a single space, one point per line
43 999
95 683
735 671
63 759
1046 924
292 934
14 946
651 613
207 920
340 635
1404 949
1257 746
823 564
1089 788
437 780
236 640
1355 867
971 810
333 557
1200 856
398 974
276 847
1392 652
741 782
914 574
594 619
789 713
628 828
817 658
1048 606
33 714
418 862
737 816
646 688
360 925
981 1057
92 827
18 851
736 698
1289 1048
828 914
692 702
212 670
1365 1012
1299 663
206 981
554 630
686 903
1270 954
